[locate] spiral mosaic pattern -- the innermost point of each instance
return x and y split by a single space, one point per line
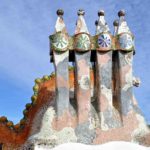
104 40
60 42
83 42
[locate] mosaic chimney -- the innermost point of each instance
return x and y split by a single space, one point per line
92 102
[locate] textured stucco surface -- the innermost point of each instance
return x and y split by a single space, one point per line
43 127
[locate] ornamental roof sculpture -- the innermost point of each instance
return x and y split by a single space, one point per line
126 39
101 24
91 102
123 27
81 25
82 39
103 32
60 25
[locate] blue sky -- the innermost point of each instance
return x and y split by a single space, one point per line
24 45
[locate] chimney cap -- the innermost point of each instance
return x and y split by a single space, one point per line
60 12
81 12
121 13
116 23
101 13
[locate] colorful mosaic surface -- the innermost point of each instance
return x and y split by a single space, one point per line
82 42
126 41
60 42
104 40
